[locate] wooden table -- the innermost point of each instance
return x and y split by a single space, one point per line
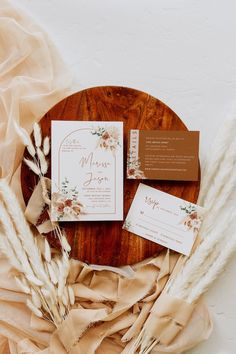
106 242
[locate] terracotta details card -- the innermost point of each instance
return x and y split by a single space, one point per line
163 155
162 218
87 170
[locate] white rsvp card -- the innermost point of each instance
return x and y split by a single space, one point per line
162 218
87 170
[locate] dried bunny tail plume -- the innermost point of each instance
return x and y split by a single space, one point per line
197 264
46 146
34 309
39 164
25 138
37 135
218 150
42 161
11 240
32 165
36 298
22 285
65 244
227 250
71 295
52 274
228 188
7 250
47 251
47 277
218 183
23 230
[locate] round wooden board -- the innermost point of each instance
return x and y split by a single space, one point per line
106 242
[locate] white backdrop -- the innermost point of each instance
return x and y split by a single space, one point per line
180 51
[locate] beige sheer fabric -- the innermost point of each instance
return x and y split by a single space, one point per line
111 308
32 79
111 304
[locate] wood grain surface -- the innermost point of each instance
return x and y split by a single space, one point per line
106 242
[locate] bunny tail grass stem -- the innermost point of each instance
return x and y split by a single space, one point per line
144 342
220 202
37 135
22 229
25 138
42 161
35 271
46 146
9 252
13 240
218 150
196 264
217 267
218 183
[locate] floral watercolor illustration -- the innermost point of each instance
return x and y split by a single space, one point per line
133 168
192 220
108 138
65 204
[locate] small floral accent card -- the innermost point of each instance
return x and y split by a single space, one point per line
87 170
163 155
165 219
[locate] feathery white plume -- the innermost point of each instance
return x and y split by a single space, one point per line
34 280
25 288
25 138
47 251
37 135
46 145
217 154
8 251
226 251
62 309
18 241
36 299
43 161
65 244
33 308
32 166
71 295
52 274
197 264
65 297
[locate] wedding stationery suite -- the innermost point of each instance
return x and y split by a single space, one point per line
87 170
163 155
162 218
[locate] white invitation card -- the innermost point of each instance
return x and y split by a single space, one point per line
165 219
87 170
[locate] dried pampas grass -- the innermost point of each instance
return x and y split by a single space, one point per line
215 270
40 275
218 241
218 152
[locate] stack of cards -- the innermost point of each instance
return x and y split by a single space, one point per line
87 179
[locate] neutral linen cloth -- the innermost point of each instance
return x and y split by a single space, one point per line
111 304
